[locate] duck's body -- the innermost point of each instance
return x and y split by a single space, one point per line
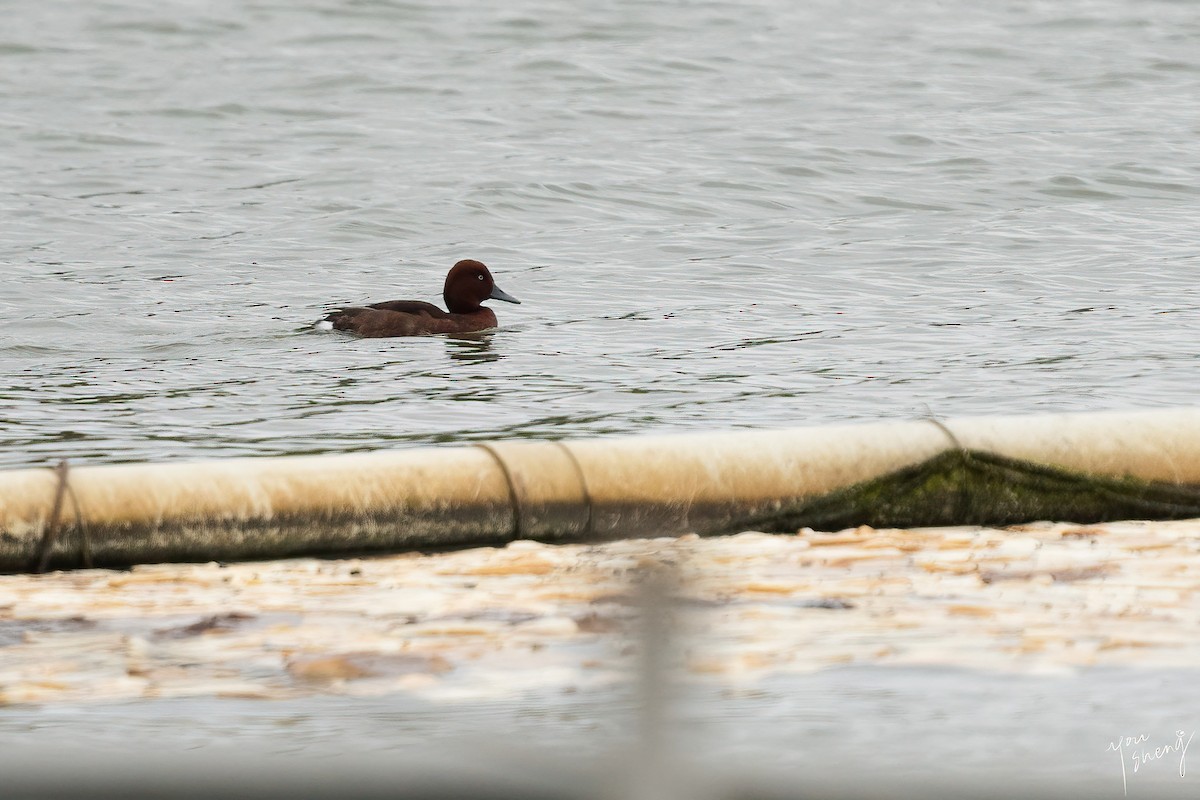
467 285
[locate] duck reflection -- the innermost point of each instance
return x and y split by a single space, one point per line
472 346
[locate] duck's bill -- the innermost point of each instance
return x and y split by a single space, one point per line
498 294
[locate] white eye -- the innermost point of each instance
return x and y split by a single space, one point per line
480 277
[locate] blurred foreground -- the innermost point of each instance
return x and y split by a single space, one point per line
860 663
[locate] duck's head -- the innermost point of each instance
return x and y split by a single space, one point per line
469 284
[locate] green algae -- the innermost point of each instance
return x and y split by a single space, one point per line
970 487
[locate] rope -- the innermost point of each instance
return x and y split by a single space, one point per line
514 496
42 560
583 487
50 535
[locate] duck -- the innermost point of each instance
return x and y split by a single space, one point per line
468 284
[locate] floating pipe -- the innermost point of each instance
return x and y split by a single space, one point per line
552 491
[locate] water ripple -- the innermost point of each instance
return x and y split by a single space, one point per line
727 215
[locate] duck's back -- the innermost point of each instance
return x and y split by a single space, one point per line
407 318
391 318
411 307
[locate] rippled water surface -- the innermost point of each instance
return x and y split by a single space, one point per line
717 214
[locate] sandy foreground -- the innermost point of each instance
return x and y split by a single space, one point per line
494 622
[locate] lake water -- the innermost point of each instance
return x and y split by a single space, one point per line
716 214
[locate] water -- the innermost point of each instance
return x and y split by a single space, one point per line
717 215
852 727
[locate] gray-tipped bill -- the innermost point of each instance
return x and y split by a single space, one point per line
497 294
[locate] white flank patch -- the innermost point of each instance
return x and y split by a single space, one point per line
324 325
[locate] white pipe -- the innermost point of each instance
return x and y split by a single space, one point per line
436 497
